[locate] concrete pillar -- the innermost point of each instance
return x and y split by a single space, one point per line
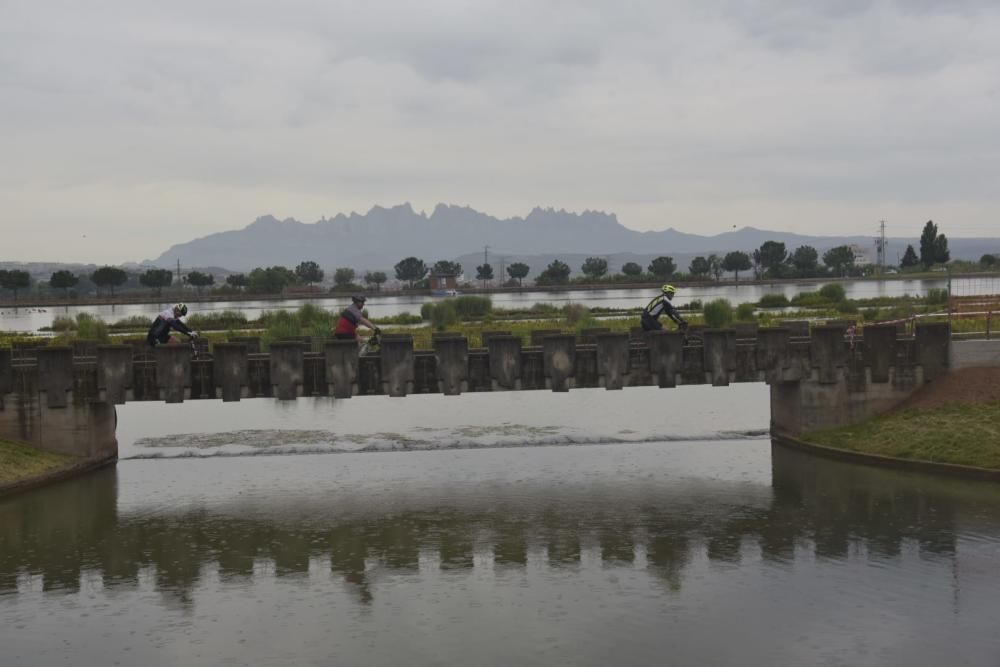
286 369
879 348
397 366
589 336
665 356
746 331
772 354
341 367
796 328
252 343
560 360
829 353
55 374
114 372
230 370
933 340
173 372
452 357
505 362
719 348
612 359
6 372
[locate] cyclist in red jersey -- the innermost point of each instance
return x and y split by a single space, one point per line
350 318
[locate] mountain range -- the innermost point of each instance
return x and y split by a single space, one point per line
381 237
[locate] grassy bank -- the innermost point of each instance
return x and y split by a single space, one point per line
954 433
18 462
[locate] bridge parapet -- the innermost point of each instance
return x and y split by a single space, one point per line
828 378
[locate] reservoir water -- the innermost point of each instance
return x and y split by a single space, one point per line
31 319
636 527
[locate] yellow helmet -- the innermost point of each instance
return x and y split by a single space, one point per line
668 289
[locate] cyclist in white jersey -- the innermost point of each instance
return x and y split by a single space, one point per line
169 319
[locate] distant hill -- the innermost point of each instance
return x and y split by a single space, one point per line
380 238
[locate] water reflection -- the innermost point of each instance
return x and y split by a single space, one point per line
76 532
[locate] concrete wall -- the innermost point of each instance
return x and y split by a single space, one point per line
975 354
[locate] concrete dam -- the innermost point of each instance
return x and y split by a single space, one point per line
62 399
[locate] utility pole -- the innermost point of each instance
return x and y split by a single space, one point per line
486 260
880 248
500 278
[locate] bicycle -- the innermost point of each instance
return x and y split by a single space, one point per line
372 345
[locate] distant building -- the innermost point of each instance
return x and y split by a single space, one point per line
443 281
862 255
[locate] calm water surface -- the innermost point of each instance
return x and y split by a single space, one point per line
31 319
561 529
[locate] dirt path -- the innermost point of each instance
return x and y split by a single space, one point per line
969 385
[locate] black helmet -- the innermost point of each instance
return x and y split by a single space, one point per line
359 298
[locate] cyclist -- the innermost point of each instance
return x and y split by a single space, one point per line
159 332
661 305
351 317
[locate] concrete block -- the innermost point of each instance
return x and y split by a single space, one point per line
719 349
505 361
585 368
964 354
933 340
397 365
559 353
879 350
85 348
252 343
665 356
589 336
486 335
114 372
452 355
6 371
55 374
287 369
746 361
341 367
230 369
612 359
829 352
173 371
746 331
796 328
538 334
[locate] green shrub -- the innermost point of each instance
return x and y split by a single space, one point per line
847 307
936 296
870 314
426 310
691 305
89 327
574 313
226 319
833 292
443 315
472 306
544 309
809 299
745 312
773 301
63 323
718 313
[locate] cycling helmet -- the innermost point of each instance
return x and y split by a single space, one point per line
359 299
181 309
668 289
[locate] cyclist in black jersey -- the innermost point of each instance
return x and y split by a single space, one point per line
661 305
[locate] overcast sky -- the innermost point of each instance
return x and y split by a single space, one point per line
127 126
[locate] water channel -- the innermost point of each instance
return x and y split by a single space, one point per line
643 526
32 319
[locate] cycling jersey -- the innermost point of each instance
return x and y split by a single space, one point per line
347 325
660 305
159 332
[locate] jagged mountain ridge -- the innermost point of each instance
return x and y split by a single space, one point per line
382 236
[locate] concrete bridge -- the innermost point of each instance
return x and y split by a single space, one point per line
62 399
